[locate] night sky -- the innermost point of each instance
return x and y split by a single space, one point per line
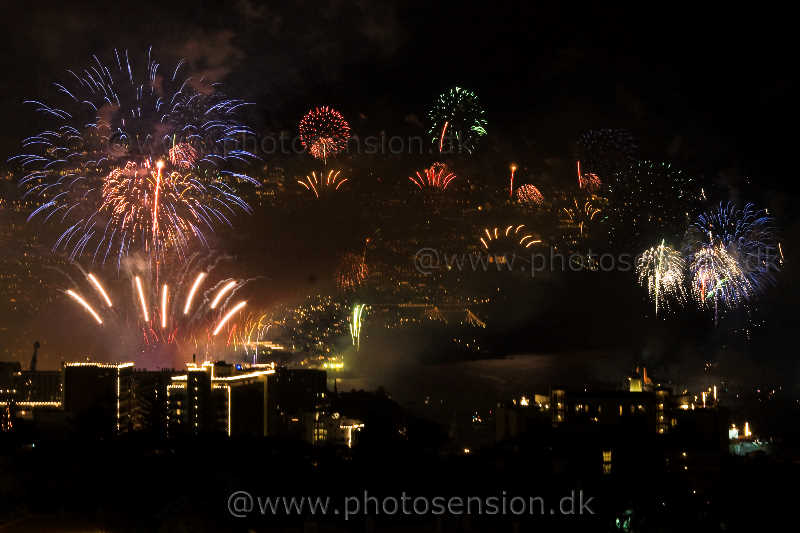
712 92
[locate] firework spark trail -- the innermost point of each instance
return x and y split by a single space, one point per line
193 290
228 316
355 325
662 268
85 305
94 167
142 301
511 185
164 298
222 292
100 289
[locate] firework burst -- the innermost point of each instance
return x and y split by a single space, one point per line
580 213
185 311
734 255
588 180
252 335
319 186
324 132
510 235
718 279
650 200
661 269
352 271
458 120
529 196
136 160
434 178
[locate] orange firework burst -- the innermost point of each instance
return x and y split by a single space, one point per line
529 196
436 177
589 181
516 235
324 132
319 185
580 214
161 211
184 311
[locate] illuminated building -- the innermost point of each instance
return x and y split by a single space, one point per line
99 397
216 397
664 419
559 406
606 408
193 405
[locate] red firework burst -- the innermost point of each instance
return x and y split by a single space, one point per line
436 177
589 181
324 132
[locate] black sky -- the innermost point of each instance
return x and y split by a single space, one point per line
711 89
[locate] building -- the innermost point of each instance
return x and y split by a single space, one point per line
256 401
99 397
216 398
39 387
297 400
9 370
150 401
191 407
